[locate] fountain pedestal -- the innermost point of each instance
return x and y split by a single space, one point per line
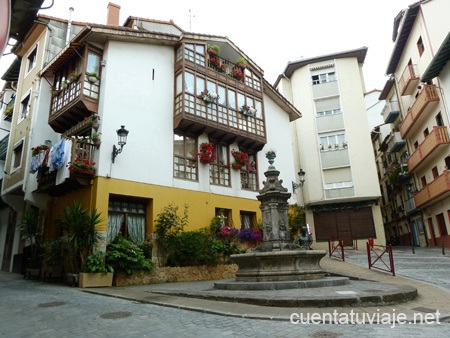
287 265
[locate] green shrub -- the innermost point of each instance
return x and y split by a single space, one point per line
123 255
168 226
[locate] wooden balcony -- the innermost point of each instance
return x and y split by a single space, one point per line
438 189
437 138
424 103
71 105
408 81
47 182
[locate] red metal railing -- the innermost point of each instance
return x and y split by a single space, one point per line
333 249
387 266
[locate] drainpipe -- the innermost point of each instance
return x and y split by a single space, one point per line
69 25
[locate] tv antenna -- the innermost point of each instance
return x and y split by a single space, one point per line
190 19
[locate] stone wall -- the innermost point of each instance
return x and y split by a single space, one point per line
177 274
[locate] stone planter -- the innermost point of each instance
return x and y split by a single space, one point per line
92 280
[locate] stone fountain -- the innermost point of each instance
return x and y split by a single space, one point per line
277 259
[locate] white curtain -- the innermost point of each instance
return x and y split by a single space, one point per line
114 223
136 228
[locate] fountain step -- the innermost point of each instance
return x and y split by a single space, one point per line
281 285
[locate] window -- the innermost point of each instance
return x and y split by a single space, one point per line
24 108
126 217
416 144
17 155
338 185
423 179
328 112
426 132
333 141
441 225
195 53
435 172
220 169
249 174
323 78
31 59
225 216
248 219
420 46
184 157
439 120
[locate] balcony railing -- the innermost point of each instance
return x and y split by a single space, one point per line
390 112
70 105
410 206
425 102
435 191
49 183
395 142
437 138
409 80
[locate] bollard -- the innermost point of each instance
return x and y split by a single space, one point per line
412 246
443 247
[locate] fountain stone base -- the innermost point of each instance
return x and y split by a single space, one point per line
290 265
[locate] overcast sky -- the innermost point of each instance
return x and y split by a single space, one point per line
270 33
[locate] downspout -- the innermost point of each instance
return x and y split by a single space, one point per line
69 25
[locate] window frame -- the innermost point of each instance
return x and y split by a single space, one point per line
17 155
187 159
31 59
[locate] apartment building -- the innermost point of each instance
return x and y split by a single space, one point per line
417 204
157 97
332 146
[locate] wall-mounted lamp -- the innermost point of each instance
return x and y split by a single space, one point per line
301 174
103 63
122 134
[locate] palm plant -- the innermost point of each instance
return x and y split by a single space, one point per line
31 231
81 233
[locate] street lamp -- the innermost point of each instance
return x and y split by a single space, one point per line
122 134
301 174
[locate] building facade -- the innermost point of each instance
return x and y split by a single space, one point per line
333 147
421 123
176 99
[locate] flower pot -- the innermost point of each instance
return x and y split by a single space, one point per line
237 166
97 143
211 51
92 79
95 125
92 280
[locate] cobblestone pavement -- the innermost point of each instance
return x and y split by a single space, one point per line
31 308
425 264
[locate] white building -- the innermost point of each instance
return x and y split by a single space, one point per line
333 147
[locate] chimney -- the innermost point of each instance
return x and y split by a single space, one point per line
113 14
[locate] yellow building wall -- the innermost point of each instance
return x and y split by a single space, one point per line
201 206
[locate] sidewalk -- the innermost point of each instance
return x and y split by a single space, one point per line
430 298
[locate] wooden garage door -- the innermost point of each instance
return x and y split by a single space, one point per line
344 224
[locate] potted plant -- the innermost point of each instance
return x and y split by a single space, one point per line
214 50
206 152
95 273
80 234
92 77
79 166
240 159
237 74
208 96
52 258
31 232
65 84
74 76
241 62
95 137
247 110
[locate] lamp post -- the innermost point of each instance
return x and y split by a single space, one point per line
122 134
301 174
